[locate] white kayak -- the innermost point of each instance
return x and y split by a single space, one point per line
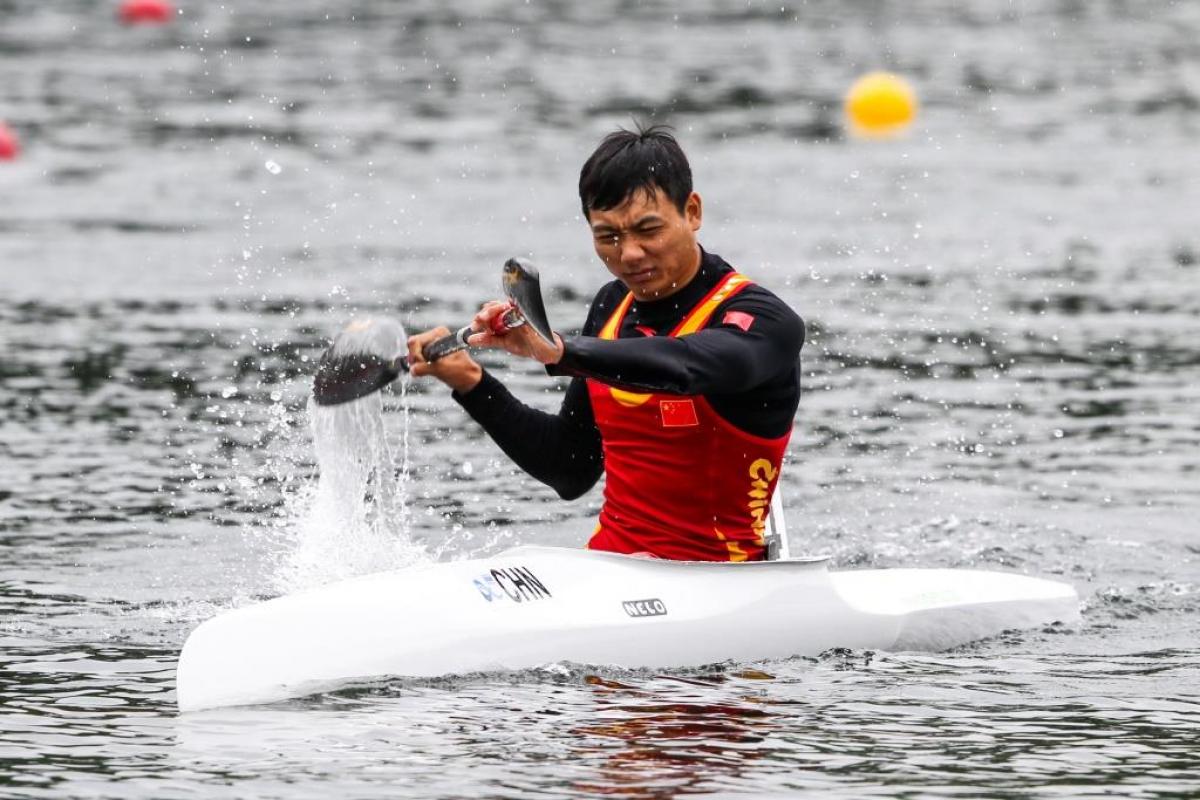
532 606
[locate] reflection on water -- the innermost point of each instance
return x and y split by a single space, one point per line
655 744
1000 373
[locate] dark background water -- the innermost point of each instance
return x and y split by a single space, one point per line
1001 372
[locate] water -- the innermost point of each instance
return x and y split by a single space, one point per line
1001 372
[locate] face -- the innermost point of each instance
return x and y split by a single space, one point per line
647 244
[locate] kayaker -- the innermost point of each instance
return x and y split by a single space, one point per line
685 375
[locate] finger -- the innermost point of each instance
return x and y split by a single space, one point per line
424 368
414 351
487 312
417 343
483 338
499 324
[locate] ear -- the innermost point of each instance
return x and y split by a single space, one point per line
693 211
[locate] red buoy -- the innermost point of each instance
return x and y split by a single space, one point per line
9 146
141 12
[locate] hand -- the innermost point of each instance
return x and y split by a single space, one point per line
522 341
458 370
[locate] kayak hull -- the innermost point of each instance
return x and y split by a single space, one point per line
532 606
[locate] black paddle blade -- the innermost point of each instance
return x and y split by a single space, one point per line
524 288
365 357
342 379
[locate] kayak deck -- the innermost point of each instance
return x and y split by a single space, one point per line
536 605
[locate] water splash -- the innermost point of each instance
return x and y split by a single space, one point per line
357 519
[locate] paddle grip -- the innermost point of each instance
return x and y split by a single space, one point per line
508 319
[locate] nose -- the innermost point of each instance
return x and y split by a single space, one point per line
631 251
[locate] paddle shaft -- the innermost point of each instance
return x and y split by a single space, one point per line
452 343
440 348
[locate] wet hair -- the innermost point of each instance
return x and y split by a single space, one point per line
627 162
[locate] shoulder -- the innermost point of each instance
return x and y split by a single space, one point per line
760 297
756 308
753 295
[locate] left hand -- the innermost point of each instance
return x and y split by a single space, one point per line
522 341
457 370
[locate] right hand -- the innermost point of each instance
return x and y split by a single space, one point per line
521 341
458 370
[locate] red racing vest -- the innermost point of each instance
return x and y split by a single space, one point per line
681 482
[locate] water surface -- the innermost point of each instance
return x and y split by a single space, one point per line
1001 372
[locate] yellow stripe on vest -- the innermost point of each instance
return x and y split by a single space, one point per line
736 553
609 331
699 316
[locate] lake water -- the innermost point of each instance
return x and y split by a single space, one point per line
1002 372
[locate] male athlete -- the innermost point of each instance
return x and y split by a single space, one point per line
686 374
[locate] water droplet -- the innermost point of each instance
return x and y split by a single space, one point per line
273 168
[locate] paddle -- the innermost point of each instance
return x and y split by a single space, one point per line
370 354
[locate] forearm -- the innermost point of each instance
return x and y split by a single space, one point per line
561 450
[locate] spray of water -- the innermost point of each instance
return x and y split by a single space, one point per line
357 519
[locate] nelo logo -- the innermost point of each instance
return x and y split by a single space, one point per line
645 608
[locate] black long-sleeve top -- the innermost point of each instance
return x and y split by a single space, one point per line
750 376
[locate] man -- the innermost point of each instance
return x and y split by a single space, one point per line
685 375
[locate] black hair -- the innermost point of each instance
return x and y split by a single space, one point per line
631 161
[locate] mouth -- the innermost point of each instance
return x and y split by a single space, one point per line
640 276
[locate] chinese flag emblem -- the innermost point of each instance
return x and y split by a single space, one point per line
739 318
678 413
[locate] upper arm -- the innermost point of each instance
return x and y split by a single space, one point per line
759 314
751 338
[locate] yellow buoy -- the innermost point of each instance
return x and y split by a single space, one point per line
880 104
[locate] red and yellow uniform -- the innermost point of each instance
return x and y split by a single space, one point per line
681 482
